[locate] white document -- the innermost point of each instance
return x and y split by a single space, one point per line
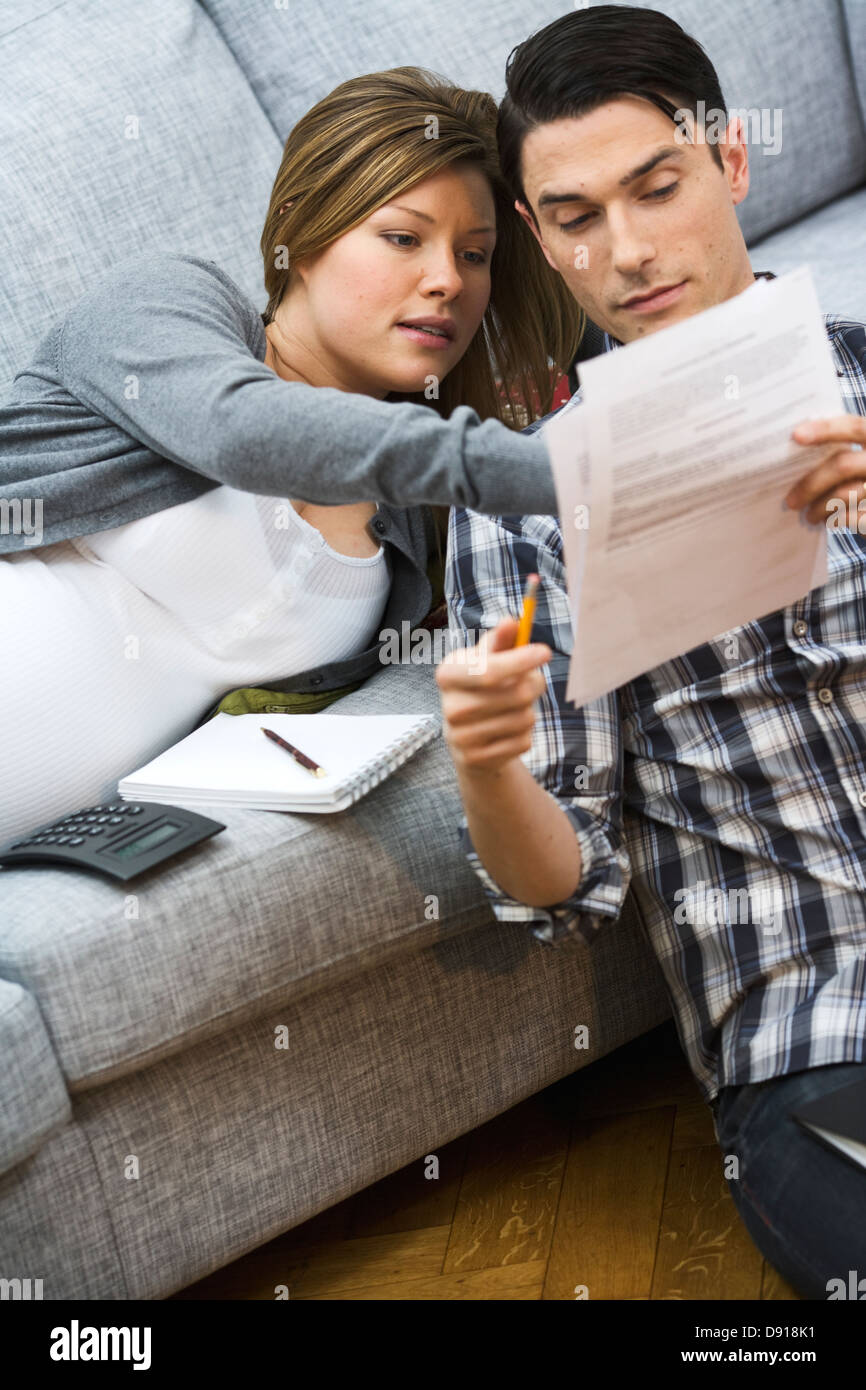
681 451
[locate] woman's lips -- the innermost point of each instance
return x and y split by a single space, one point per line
432 340
658 301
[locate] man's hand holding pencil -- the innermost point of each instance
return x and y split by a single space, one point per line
488 693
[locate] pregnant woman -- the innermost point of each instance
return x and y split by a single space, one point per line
231 498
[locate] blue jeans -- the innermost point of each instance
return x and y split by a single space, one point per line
803 1205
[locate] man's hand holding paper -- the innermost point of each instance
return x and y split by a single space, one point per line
683 448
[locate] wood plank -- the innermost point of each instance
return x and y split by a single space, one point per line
510 1283
704 1250
333 1267
610 1208
694 1127
510 1190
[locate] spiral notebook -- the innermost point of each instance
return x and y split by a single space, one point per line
228 761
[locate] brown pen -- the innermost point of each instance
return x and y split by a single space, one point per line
296 753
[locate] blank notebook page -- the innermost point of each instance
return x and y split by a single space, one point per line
230 754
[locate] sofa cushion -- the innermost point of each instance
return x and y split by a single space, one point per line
34 1100
854 12
277 905
833 242
293 55
794 57
121 127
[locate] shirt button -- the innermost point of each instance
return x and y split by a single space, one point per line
825 696
862 798
379 525
800 628
315 680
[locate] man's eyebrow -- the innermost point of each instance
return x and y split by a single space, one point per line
667 152
473 231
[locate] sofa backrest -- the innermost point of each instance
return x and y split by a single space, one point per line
162 125
121 127
791 57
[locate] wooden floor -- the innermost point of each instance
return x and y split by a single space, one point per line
611 1180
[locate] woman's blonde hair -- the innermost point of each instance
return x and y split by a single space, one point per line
371 139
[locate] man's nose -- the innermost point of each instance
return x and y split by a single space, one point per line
630 250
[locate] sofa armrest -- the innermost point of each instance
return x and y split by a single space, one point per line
34 1100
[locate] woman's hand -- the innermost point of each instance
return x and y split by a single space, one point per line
488 692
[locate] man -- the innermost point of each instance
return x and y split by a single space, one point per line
709 772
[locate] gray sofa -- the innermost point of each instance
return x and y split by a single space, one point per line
199 1060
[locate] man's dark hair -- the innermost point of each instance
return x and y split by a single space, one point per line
589 57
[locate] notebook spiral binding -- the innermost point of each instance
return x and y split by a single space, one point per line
371 773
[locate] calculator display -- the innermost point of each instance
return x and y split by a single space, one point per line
153 837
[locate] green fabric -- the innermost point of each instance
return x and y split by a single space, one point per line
254 700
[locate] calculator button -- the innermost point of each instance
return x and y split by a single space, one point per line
76 840
19 844
90 818
136 810
96 830
61 839
115 820
37 839
49 839
101 819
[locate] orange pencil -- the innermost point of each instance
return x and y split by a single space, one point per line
528 613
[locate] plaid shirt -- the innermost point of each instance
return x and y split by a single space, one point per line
727 788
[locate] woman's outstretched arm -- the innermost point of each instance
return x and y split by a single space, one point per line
161 359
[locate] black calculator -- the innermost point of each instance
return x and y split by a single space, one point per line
121 839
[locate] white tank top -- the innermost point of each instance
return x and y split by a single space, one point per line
250 580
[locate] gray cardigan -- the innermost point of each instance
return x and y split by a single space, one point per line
152 389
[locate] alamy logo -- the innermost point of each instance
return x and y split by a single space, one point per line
759 125
22 517
22 1289
703 906
76 1343
855 1288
